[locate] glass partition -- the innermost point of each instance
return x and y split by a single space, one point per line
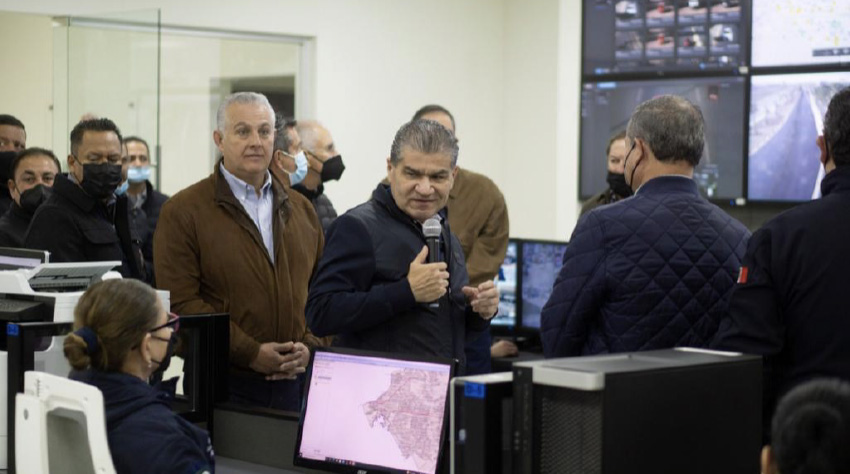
108 66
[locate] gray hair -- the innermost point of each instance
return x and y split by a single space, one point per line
241 98
425 136
672 127
308 131
281 138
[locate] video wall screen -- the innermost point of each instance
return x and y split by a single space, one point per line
650 36
786 117
800 32
607 106
506 282
541 262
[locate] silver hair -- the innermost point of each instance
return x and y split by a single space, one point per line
672 127
241 98
426 136
308 131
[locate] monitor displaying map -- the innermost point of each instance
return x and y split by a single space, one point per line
506 282
541 262
373 413
786 117
800 32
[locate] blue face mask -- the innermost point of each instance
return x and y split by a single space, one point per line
122 188
138 174
301 167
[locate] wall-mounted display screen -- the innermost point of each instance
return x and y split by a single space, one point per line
651 36
607 106
800 32
786 117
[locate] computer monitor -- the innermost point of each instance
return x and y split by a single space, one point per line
656 36
541 262
15 258
607 106
373 412
786 117
800 32
506 282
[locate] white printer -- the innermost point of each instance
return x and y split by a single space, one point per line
47 292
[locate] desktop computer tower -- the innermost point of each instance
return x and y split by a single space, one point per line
480 418
666 411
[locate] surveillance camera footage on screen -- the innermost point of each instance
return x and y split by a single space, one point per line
786 117
629 36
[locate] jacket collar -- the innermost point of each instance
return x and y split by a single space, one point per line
223 193
311 195
668 184
74 193
19 213
837 181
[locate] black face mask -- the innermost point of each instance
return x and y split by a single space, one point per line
166 361
332 168
101 180
6 158
34 197
617 183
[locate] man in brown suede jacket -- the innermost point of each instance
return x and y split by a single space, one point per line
240 242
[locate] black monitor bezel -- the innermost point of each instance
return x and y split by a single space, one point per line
341 468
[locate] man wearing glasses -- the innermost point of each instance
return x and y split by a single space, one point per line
83 220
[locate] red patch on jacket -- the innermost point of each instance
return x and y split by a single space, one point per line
742 275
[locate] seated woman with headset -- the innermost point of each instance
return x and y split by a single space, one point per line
122 336
811 430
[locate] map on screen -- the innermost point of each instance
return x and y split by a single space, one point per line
800 32
541 262
375 412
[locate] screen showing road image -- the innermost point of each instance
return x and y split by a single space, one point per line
800 32
626 36
786 117
506 282
607 106
366 411
541 262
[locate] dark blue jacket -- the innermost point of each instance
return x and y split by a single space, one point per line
144 435
649 272
791 303
360 291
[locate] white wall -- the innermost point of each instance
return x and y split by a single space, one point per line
504 67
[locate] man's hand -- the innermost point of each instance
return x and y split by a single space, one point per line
279 360
302 354
504 348
428 281
484 299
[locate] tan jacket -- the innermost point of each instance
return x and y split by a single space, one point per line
478 216
209 254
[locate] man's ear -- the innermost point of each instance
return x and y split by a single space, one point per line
768 464
217 139
824 150
389 169
145 349
11 185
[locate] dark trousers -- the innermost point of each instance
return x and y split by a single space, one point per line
279 394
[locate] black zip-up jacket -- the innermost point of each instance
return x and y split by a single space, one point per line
13 226
361 294
790 304
75 227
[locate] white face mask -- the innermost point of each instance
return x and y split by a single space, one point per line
301 166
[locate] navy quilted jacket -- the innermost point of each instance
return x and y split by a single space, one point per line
650 272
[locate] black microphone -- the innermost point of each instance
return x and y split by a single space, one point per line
432 230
